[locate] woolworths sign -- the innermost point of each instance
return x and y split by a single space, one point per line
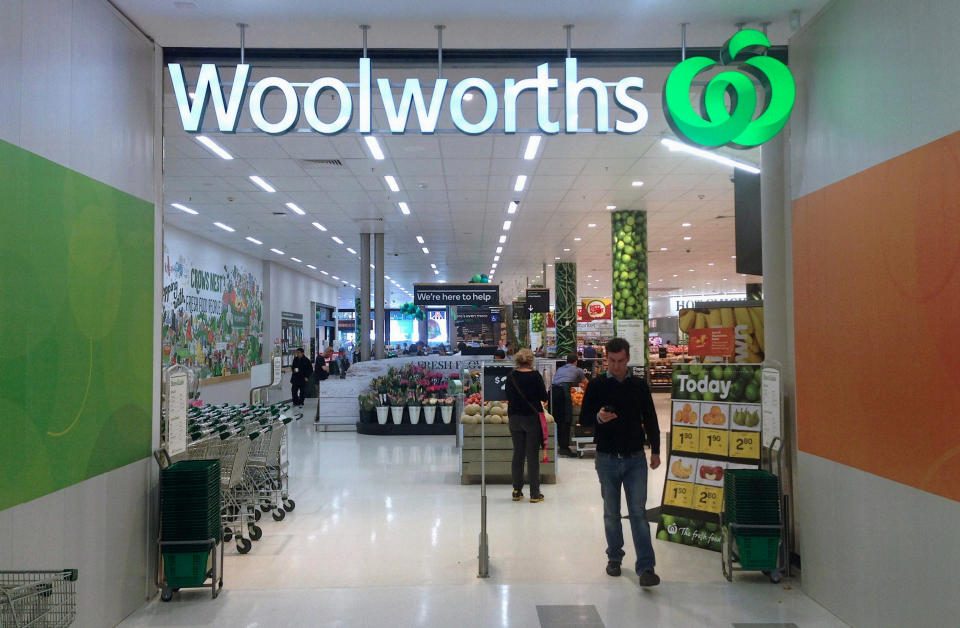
728 114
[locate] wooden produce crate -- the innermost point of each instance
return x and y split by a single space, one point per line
499 454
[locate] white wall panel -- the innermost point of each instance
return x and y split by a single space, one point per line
877 553
10 69
98 527
291 291
875 79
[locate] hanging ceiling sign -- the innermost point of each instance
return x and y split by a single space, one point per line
209 90
538 300
717 124
456 294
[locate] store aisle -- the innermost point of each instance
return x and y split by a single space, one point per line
384 533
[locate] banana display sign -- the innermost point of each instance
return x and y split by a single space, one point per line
743 318
716 424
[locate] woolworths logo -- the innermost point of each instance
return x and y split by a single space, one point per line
719 123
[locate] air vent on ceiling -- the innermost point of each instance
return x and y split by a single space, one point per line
327 163
721 217
279 213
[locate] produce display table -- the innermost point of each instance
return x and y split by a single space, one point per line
499 446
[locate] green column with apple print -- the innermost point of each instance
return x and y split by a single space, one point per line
566 307
630 290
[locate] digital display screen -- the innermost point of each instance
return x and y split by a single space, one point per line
403 330
437 327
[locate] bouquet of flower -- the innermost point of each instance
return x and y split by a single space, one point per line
396 400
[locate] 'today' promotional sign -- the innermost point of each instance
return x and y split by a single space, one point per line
717 126
716 426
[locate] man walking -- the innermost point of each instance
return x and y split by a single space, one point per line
300 372
623 409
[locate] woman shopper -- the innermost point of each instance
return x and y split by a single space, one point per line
525 393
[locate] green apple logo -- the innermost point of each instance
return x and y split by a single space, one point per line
734 126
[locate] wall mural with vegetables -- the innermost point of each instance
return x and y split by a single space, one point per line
212 309
629 241
566 307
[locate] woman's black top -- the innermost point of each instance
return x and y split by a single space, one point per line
531 385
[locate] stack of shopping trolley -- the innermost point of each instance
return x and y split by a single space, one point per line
249 442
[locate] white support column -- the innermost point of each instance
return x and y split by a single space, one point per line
363 324
378 296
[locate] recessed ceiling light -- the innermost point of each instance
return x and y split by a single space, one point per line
512 207
374 147
468 96
420 239
532 145
506 225
354 286
441 281
611 207
311 267
277 251
589 276
351 251
733 257
263 185
686 224
225 227
404 208
335 277
520 184
493 265
659 279
663 248
577 239
296 260
676 275
556 258
436 272
213 147
319 226
324 272
548 265
386 276
708 283
391 183
184 208
711 264
724 278
566 250
687 237
637 184
425 250
691 270
592 225
345 283
499 249
336 239
503 239
496 258
293 207
372 267
254 240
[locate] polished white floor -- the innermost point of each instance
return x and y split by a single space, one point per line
383 534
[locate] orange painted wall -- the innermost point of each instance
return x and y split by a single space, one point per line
877 319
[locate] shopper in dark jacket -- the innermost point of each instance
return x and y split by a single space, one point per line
300 373
622 408
525 392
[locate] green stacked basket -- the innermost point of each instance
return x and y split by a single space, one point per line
753 498
190 511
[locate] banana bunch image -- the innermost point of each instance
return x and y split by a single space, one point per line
747 321
681 471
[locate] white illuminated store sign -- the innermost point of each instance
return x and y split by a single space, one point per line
208 88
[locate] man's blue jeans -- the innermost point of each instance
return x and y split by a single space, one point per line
630 472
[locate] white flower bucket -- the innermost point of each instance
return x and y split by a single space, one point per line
382 412
396 413
429 412
414 414
446 412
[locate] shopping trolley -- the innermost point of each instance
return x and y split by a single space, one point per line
38 598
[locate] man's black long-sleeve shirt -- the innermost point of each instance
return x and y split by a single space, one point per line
636 414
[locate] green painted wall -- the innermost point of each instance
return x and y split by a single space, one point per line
566 307
76 327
